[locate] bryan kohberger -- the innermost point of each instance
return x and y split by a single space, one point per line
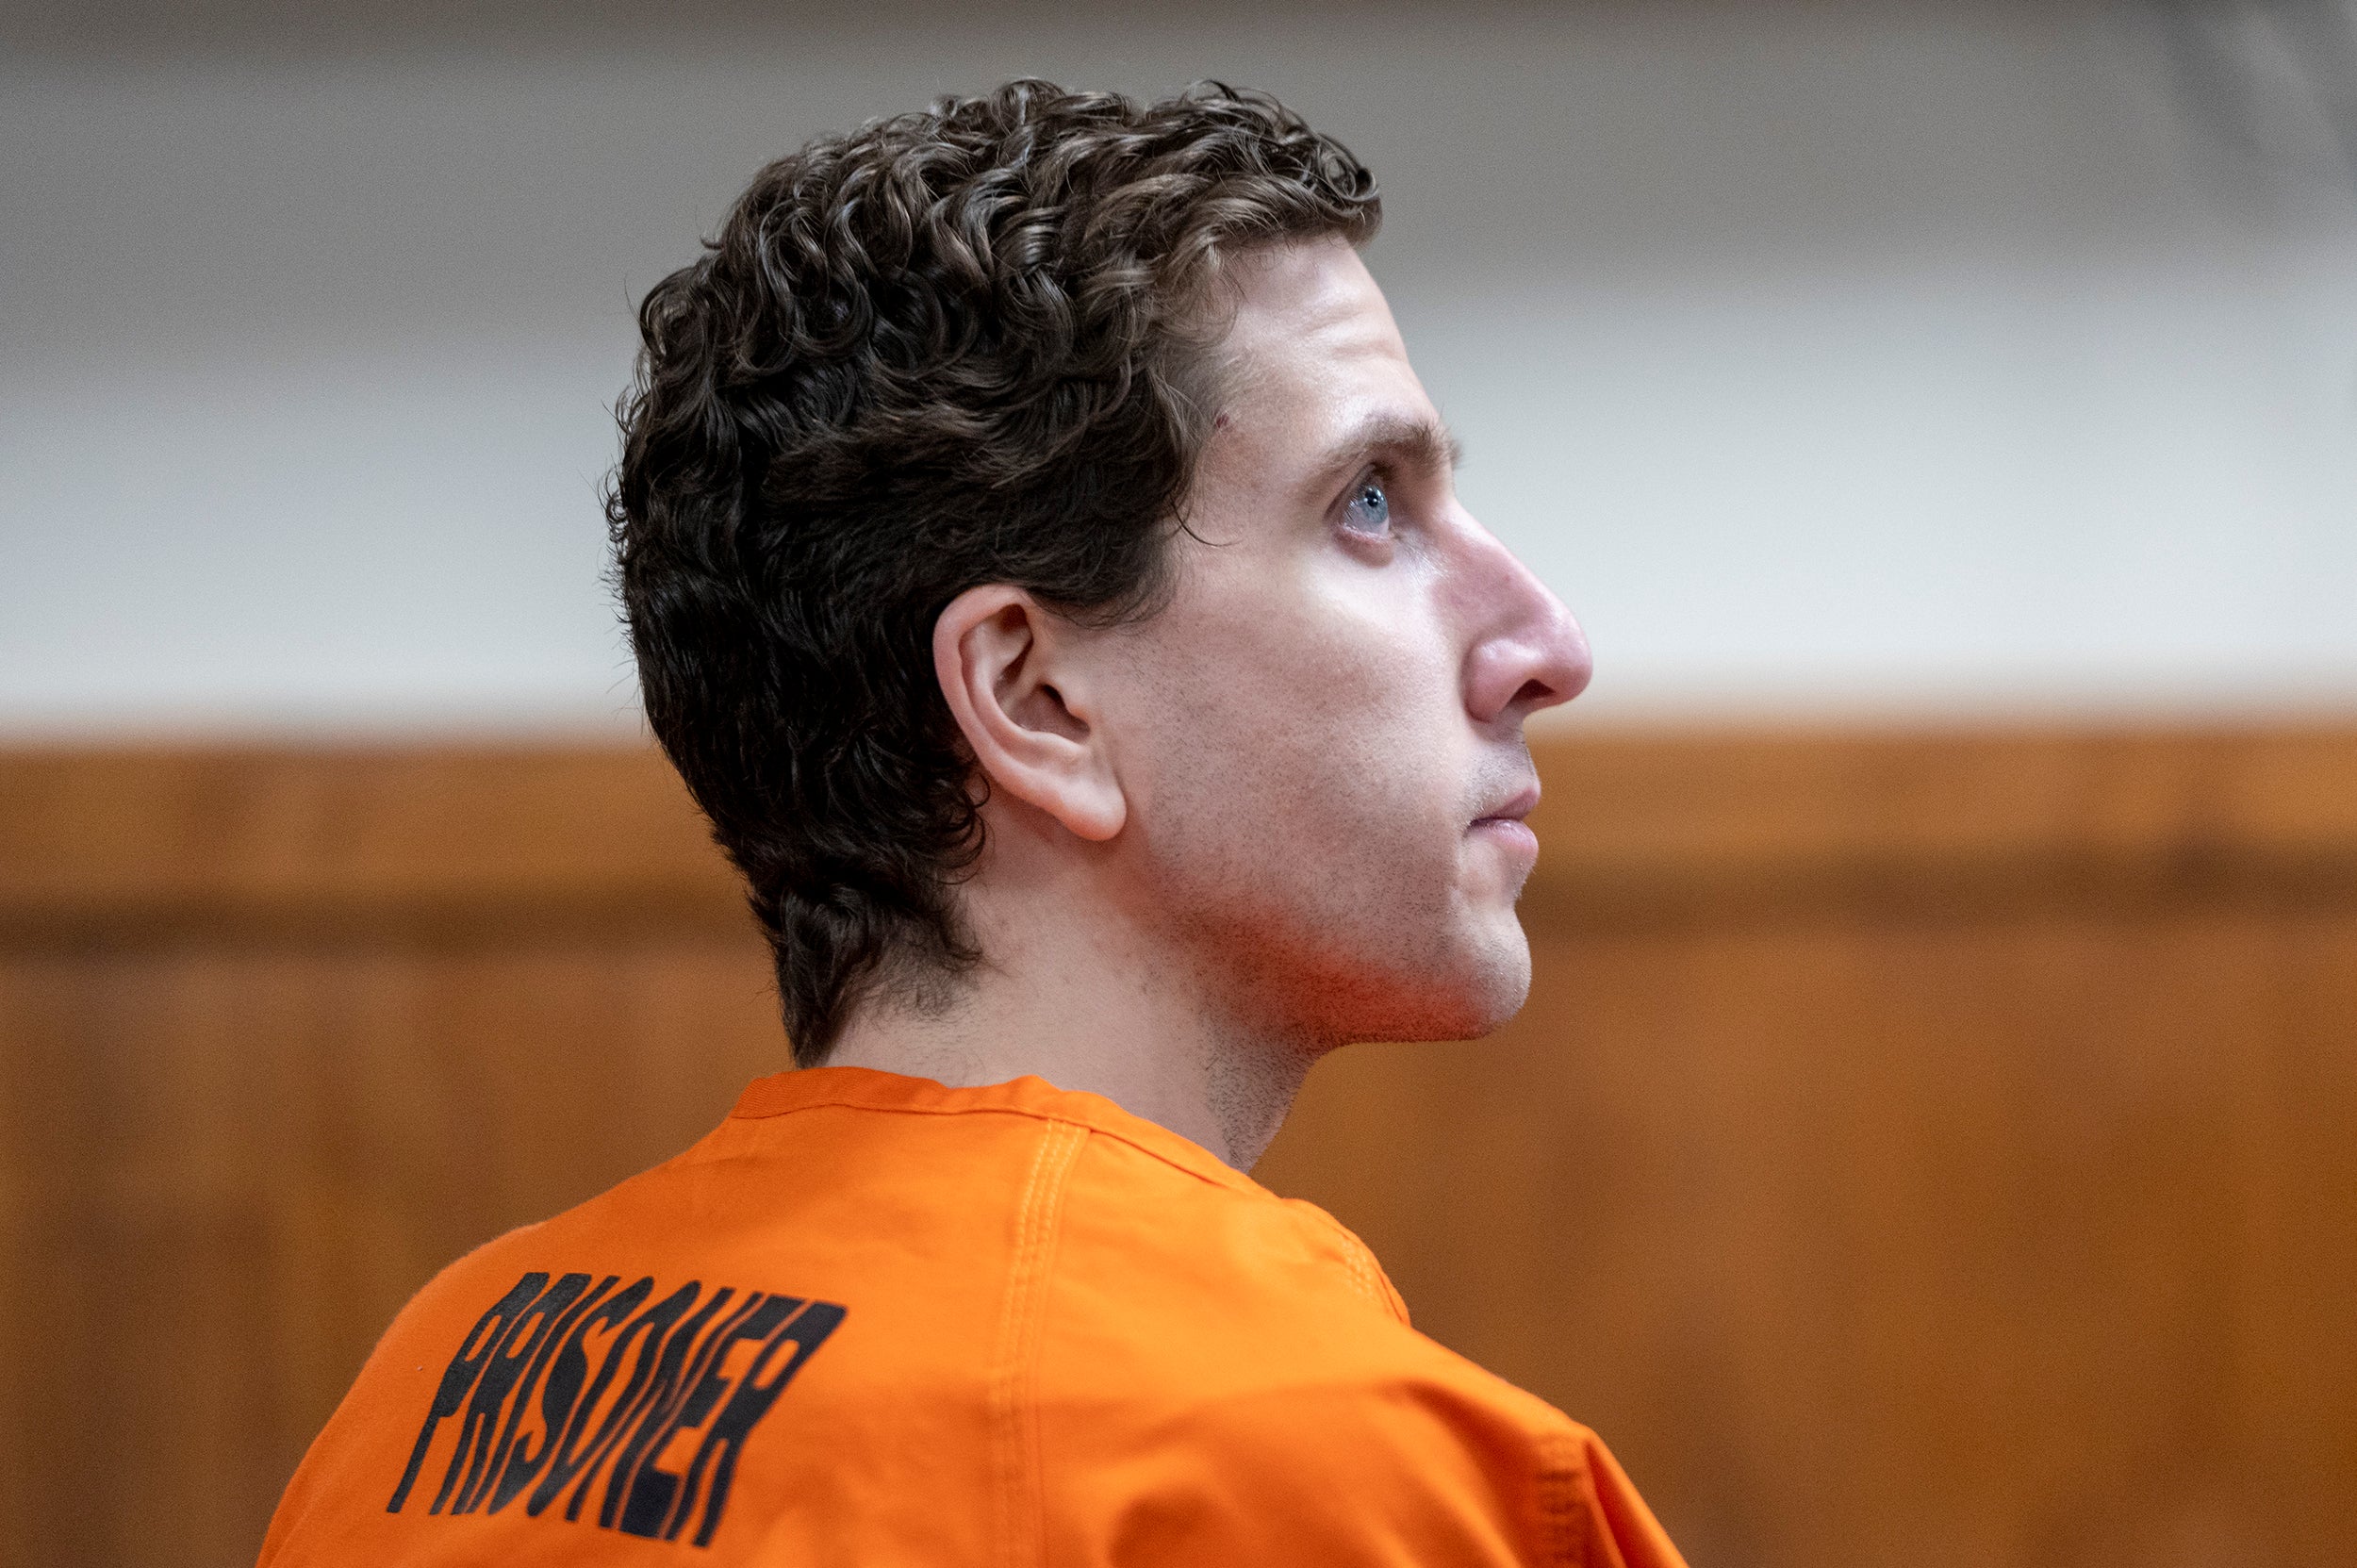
1045 568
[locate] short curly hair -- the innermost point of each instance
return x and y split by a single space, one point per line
964 346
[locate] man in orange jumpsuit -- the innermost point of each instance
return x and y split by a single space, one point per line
1045 568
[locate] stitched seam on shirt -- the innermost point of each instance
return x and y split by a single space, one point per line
1561 1502
1386 1294
1366 1275
1359 1279
1013 1415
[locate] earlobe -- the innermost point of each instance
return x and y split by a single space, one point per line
1014 676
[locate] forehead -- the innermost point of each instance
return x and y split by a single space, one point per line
1312 340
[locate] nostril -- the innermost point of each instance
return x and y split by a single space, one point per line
1534 691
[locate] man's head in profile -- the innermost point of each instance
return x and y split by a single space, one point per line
1045 567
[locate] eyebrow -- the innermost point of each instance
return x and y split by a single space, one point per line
1416 443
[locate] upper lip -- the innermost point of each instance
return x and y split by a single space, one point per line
1514 808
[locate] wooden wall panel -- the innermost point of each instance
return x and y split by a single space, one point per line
229 1161
1928 1148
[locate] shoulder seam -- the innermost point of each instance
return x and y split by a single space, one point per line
1564 1507
1017 1492
1366 1269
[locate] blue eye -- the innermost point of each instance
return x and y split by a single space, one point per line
1369 510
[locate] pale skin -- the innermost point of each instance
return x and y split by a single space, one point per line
1285 812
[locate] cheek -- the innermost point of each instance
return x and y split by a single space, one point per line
1319 768
1299 804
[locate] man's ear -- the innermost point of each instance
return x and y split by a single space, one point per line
1010 670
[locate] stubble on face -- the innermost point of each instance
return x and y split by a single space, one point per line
1307 771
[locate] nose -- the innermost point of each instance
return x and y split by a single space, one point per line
1526 651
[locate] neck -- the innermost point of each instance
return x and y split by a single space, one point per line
1072 992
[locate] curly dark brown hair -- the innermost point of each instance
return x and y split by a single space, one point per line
966 346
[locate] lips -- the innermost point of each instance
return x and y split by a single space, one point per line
1513 808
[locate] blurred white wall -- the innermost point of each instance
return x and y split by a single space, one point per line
1911 356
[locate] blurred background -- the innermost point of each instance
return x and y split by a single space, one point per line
1934 1135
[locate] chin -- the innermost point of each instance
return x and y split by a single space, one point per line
1498 998
1498 974
1481 989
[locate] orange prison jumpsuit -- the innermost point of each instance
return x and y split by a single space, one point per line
872 1320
